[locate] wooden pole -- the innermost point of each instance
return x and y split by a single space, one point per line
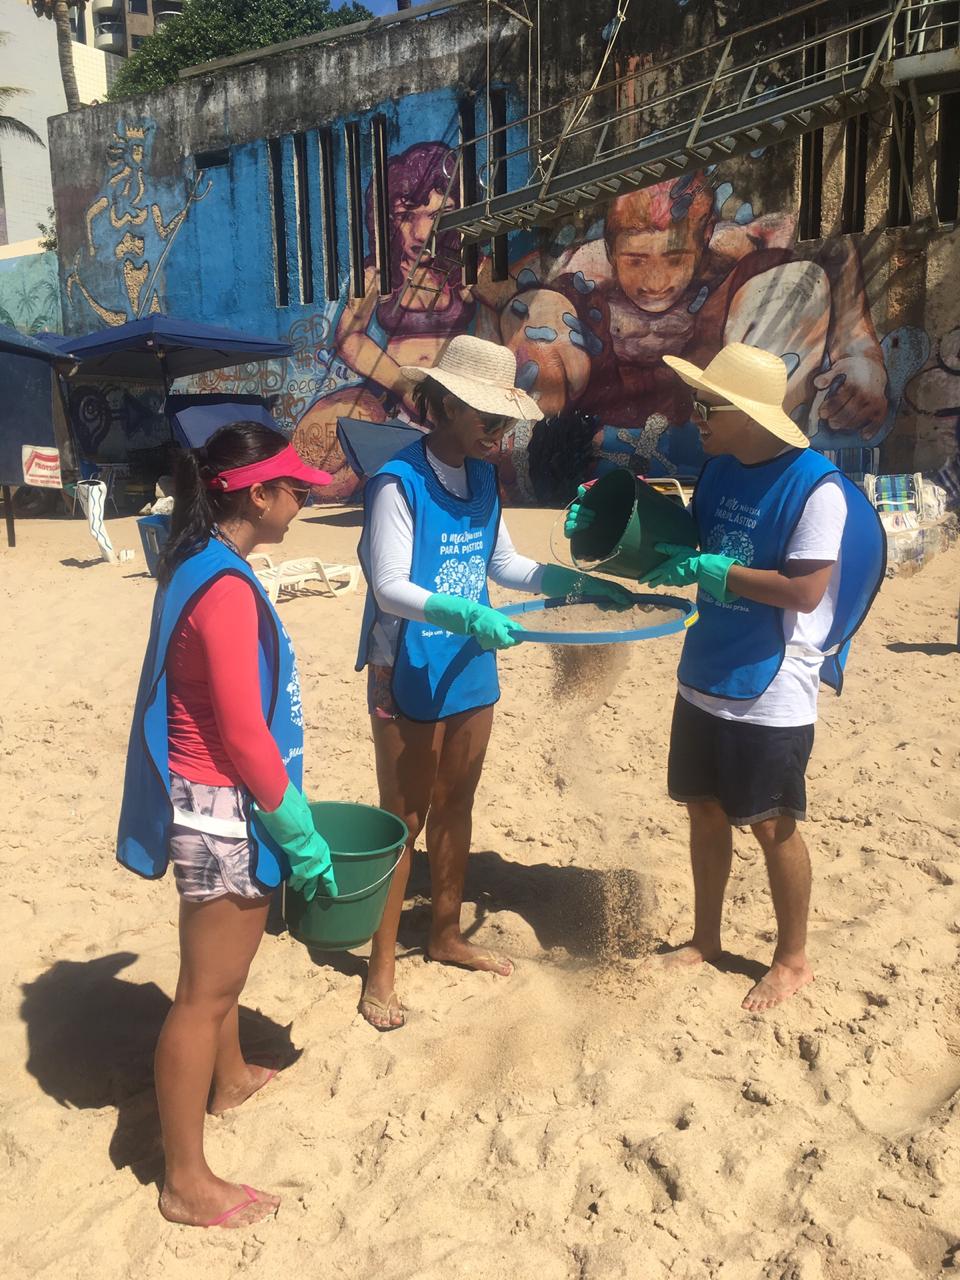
8 513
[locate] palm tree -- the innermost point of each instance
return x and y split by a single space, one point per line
59 11
10 126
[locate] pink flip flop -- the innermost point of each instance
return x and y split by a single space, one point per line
252 1198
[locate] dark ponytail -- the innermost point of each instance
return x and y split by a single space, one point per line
196 509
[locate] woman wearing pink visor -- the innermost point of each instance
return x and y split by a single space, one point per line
213 778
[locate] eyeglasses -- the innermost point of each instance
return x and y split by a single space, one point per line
704 410
296 492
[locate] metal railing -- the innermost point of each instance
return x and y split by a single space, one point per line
750 87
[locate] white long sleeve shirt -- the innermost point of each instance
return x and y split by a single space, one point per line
391 559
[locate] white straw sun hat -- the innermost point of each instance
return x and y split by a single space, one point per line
754 380
481 374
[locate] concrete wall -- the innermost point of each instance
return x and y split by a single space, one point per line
198 201
29 61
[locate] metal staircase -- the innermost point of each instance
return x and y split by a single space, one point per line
771 82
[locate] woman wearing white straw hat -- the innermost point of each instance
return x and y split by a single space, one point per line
792 555
433 534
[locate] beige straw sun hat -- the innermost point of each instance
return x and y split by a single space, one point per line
754 380
481 374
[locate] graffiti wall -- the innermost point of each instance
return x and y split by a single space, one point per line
114 259
316 235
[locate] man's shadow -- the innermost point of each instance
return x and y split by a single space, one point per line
91 1037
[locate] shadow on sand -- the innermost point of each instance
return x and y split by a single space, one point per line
73 563
729 962
91 1037
933 649
352 518
592 915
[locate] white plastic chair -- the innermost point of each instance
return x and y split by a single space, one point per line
291 577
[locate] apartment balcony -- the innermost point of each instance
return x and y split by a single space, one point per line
111 37
107 8
164 9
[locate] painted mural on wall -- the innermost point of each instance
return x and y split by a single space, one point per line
29 293
376 334
679 268
112 421
129 228
665 273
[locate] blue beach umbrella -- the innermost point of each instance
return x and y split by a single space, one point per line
17 344
161 348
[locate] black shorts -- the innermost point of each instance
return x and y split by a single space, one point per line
754 771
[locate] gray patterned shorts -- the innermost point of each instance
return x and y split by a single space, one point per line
210 866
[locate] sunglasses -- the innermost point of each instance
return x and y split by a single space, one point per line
492 424
704 410
296 492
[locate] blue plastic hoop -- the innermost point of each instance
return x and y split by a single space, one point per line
687 608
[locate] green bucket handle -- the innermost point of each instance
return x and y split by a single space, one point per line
363 893
560 559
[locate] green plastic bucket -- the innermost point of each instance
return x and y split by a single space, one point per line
366 845
629 520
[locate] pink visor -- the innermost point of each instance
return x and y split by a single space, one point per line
285 463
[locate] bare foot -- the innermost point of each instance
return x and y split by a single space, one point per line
464 955
217 1203
226 1097
691 953
385 1015
779 983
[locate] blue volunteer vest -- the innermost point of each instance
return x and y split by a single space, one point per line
750 513
436 673
146 811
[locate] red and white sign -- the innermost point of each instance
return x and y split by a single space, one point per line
41 467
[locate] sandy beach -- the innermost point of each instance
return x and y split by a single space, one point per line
588 1119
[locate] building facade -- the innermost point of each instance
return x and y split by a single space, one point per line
295 192
121 26
28 60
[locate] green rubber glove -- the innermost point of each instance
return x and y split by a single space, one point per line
578 516
687 565
291 826
490 628
558 580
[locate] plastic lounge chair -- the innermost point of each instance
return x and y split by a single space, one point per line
266 571
292 576
338 579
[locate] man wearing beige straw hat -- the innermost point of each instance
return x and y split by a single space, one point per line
791 557
433 535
